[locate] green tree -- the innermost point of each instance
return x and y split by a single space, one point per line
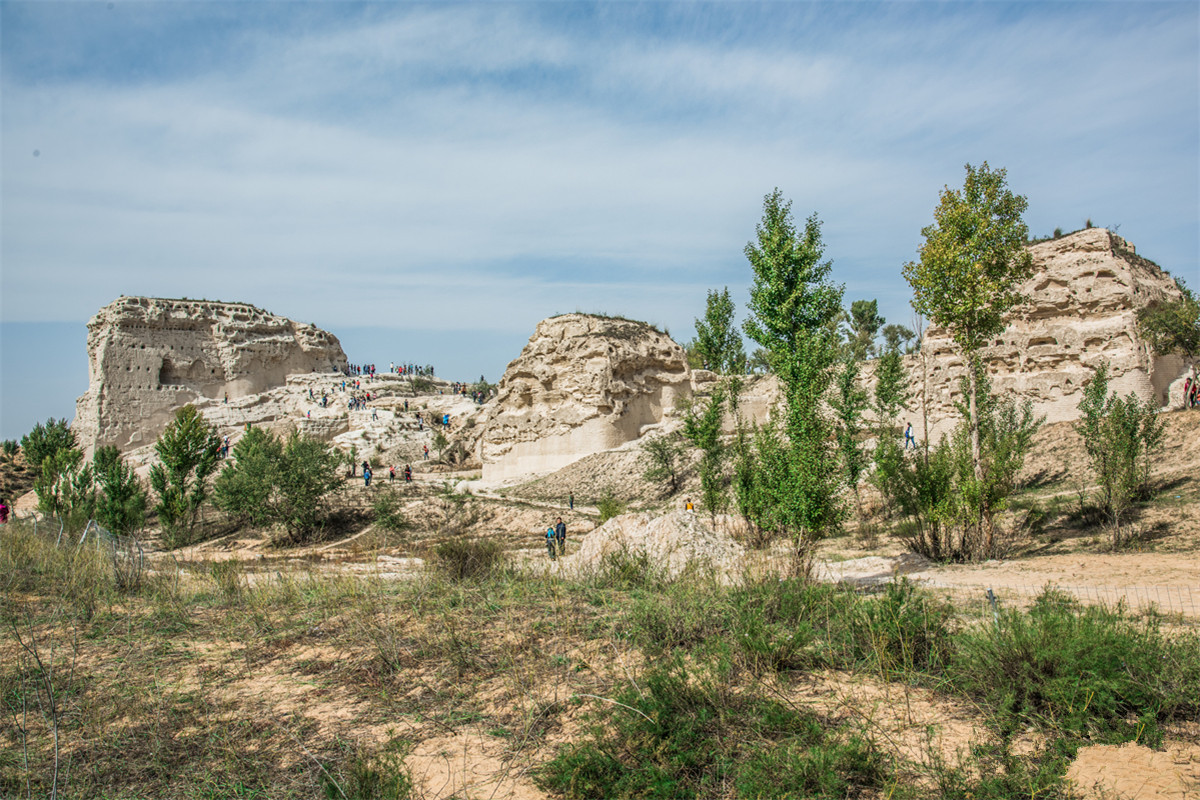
972 262
662 457
440 442
794 308
46 440
938 494
1120 436
121 499
865 324
65 487
276 482
891 385
849 401
896 336
246 485
308 473
718 342
187 452
1172 326
702 423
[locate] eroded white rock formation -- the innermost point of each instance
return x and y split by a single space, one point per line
582 384
150 356
1082 311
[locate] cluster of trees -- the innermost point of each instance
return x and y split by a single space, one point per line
76 490
270 481
795 475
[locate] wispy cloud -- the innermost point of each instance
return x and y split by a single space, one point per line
482 166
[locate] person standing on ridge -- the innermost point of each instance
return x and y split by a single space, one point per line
571 501
550 543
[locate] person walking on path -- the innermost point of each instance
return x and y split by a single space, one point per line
392 473
366 477
3 512
407 473
687 505
560 536
908 437
550 543
571 501
426 449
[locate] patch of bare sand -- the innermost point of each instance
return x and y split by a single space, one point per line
912 724
470 764
1134 772
1167 580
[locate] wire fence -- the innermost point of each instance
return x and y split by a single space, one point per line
983 599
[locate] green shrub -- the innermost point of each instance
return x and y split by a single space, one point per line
389 514
1120 435
623 569
1092 673
468 559
691 734
609 507
381 777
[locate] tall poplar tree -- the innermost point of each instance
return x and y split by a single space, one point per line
792 305
971 264
718 342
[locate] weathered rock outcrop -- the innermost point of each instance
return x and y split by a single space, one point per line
582 384
1082 311
149 356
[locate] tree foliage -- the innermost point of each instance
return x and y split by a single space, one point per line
1120 435
895 337
971 264
865 324
794 311
276 482
849 402
187 452
1172 326
120 497
938 493
891 385
663 457
46 440
65 487
718 342
702 423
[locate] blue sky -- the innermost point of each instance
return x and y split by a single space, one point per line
428 181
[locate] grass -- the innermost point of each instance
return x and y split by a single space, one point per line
221 682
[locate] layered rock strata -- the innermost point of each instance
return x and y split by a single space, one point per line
150 356
581 385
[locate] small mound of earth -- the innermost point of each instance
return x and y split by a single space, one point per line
1108 772
674 542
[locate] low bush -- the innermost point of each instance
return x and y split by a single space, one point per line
468 559
1092 674
689 733
609 507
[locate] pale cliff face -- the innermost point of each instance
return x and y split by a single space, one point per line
149 356
582 384
1082 311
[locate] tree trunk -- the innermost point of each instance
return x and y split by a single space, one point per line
976 460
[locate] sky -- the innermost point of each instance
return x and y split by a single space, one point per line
428 181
